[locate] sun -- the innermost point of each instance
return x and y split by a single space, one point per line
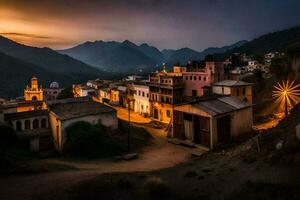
287 94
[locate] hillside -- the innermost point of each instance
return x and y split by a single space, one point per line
272 42
17 74
45 57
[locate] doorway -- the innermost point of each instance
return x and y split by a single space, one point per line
224 128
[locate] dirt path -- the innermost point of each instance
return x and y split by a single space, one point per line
157 156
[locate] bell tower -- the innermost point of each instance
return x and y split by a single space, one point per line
34 92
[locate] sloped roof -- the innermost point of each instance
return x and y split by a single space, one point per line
216 106
231 83
72 110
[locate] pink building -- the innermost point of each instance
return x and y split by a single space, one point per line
199 74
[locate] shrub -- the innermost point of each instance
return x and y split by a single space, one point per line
90 140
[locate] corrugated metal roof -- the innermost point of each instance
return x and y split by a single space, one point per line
219 105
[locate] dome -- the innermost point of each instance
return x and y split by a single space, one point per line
54 85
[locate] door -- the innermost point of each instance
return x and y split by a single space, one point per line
197 137
224 128
155 113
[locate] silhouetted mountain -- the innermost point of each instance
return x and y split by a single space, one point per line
16 74
272 42
129 57
45 57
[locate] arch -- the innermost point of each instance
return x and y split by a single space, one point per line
34 98
44 123
35 124
27 124
18 126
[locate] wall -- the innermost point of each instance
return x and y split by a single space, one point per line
141 103
162 111
199 80
109 120
238 126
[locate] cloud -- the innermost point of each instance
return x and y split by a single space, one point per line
10 34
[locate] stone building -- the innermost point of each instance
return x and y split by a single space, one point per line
65 113
32 127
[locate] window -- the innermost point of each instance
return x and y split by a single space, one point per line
194 93
44 123
222 90
27 124
237 92
244 91
143 94
19 126
191 77
147 95
195 78
168 113
204 78
35 123
139 93
199 78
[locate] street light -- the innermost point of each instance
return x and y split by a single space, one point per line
286 93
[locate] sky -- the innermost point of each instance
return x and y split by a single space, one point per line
166 24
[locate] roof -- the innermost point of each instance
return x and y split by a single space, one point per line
72 110
232 83
217 106
25 115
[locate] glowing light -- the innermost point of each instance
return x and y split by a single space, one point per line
286 94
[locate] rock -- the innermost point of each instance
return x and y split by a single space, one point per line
279 145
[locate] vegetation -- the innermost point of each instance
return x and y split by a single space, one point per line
66 93
280 67
84 139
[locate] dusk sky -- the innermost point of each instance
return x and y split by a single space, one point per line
197 24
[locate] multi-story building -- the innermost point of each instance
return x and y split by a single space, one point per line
141 97
82 90
196 75
165 90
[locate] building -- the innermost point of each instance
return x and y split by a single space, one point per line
141 98
34 92
96 84
32 127
165 90
240 89
211 121
65 113
52 92
23 106
196 75
82 90
104 95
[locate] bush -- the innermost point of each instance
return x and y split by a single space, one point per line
90 140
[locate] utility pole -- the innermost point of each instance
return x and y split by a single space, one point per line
128 136
285 105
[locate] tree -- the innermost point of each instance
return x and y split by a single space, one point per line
66 93
280 67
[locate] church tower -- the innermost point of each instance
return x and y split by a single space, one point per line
34 92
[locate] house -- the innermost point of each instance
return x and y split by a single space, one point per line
211 121
32 127
52 92
104 95
196 75
141 98
82 90
240 89
96 84
165 90
65 113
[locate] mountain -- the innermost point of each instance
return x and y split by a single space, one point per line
18 63
45 58
129 57
272 42
116 56
183 55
